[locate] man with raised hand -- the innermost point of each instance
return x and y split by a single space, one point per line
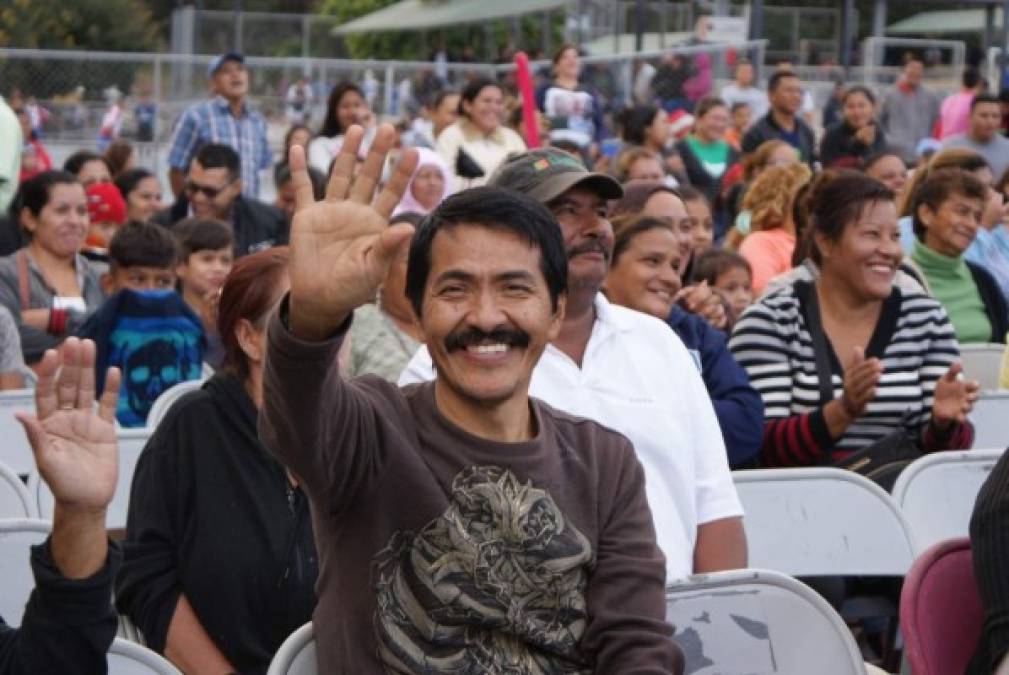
461 525
69 621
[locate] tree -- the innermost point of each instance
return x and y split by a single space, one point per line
94 25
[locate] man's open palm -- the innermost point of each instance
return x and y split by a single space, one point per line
341 247
74 444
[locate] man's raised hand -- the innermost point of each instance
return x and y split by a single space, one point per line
341 247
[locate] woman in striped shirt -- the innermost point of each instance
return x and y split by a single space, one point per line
892 353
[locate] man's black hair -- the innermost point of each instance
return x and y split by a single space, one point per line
138 244
218 156
493 208
777 77
984 98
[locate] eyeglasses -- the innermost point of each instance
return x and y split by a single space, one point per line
191 188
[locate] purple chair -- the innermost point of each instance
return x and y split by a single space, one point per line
940 610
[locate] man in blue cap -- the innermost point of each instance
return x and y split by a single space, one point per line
226 119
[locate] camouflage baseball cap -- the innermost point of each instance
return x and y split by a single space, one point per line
547 173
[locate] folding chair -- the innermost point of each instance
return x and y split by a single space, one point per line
936 493
822 522
940 610
15 451
131 443
15 501
128 658
17 536
982 362
297 655
168 397
990 417
758 621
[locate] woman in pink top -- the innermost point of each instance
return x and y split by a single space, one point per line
954 114
769 246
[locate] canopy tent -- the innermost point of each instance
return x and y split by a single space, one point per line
417 15
944 22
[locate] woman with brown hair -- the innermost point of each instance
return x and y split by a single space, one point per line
705 153
219 561
575 112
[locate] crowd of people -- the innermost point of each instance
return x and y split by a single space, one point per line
479 420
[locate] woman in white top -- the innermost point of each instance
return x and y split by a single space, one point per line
346 106
479 134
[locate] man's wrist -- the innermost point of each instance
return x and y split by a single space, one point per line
309 325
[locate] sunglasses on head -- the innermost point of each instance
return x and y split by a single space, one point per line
209 192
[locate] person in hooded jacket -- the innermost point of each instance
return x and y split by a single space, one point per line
219 560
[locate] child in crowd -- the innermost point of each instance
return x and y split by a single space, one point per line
206 255
144 328
730 273
106 214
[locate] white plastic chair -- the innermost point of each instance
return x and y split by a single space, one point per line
990 417
17 536
15 500
131 443
162 404
982 362
758 621
822 522
15 451
129 658
297 655
936 493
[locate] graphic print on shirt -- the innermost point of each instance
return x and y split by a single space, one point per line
495 584
570 114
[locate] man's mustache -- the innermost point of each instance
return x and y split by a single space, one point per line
590 246
467 337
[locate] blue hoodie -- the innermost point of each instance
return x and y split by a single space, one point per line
738 406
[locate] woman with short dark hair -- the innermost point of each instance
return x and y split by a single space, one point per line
219 560
857 136
477 143
892 355
48 286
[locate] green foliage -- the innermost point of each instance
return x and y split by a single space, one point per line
94 25
107 25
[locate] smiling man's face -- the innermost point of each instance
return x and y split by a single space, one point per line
588 236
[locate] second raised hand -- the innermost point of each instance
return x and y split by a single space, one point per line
341 247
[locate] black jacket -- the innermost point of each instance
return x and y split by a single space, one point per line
839 145
256 225
994 301
212 516
701 179
68 624
766 129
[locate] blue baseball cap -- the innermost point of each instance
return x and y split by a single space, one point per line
221 59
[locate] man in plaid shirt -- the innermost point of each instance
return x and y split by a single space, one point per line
226 119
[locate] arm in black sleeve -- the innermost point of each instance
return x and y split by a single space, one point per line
68 624
989 539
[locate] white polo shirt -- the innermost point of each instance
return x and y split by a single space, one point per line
638 378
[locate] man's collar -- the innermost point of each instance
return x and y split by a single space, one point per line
223 103
608 318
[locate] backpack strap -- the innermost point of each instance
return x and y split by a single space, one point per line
21 260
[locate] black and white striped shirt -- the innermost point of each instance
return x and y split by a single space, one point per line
913 339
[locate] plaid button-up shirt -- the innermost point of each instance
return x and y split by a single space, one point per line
212 122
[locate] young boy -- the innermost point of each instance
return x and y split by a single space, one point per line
730 273
144 328
205 258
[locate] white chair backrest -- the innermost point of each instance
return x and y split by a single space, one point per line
758 621
297 655
129 658
14 449
17 536
990 417
822 521
169 396
982 362
15 500
131 443
936 493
